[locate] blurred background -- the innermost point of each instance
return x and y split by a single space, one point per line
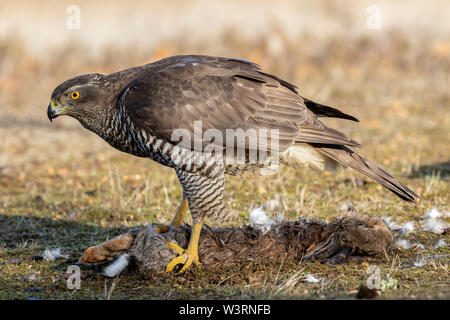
385 62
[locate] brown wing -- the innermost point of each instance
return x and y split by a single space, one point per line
222 94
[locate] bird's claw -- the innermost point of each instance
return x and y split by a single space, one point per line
184 257
162 228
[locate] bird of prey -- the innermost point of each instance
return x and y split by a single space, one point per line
139 110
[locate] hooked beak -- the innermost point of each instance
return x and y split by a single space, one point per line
54 110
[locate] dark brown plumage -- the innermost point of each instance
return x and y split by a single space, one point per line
138 110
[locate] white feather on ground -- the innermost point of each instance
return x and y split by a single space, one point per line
260 220
433 221
391 224
117 266
405 244
435 225
311 279
54 254
407 227
420 263
258 216
433 214
424 260
440 244
394 227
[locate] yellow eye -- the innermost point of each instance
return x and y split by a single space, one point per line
75 95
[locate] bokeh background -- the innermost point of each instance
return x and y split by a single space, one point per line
59 182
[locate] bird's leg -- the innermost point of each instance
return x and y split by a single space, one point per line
177 219
205 197
188 256
181 212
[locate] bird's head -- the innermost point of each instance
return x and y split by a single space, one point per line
81 97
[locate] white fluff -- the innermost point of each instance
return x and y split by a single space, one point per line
260 220
54 254
391 224
435 225
440 244
407 227
310 278
304 156
424 260
420 263
404 244
433 214
433 221
117 266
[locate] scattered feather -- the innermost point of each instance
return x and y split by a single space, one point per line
311 279
391 224
404 244
420 263
407 227
260 220
424 260
117 266
433 214
435 225
54 254
440 244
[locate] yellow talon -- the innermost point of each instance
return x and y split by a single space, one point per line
172 245
177 220
176 261
189 256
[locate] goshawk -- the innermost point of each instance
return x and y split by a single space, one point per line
149 110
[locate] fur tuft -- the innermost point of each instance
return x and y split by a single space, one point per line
117 266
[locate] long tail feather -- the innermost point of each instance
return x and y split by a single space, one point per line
347 157
326 111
